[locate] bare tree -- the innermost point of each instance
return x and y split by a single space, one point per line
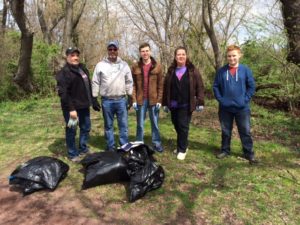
208 21
99 23
4 16
47 28
158 21
23 78
71 21
291 16
221 19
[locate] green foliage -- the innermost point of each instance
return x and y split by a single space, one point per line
275 77
41 67
9 51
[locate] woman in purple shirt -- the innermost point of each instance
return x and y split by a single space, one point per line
183 93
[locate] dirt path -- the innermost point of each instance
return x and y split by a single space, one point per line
63 206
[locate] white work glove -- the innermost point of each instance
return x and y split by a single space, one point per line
166 109
199 108
72 123
158 105
134 105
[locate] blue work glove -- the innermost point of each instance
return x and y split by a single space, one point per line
72 123
157 106
135 106
166 109
199 108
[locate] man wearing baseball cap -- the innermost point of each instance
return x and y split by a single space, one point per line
112 80
74 90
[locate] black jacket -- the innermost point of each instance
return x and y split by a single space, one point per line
71 88
196 87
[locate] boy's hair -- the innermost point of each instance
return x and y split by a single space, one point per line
143 45
232 48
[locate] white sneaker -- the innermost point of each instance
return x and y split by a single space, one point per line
175 151
181 155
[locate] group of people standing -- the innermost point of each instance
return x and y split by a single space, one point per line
145 88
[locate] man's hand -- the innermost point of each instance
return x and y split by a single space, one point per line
199 108
73 115
166 109
96 105
134 105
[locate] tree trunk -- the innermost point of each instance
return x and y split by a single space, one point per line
70 37
4 16
67 37
42 22
23 75
23 78
291 16
209 27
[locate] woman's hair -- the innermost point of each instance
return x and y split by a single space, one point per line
175 52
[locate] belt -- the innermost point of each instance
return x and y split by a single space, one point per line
113 97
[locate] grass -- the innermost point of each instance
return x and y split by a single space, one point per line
199 190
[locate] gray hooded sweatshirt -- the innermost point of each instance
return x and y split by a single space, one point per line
112 79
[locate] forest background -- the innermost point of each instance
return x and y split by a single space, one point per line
35 34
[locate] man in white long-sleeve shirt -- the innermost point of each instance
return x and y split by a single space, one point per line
112 80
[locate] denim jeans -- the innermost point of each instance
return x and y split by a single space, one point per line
181 119
140 119
84 126
242 120
110 108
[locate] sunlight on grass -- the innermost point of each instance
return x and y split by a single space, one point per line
200 188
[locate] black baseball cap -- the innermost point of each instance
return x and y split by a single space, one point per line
71 50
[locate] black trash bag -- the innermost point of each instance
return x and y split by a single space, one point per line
104 168
137 157
147 179
39 173
145 174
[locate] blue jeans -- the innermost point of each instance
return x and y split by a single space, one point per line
140 119
242 120
110 108
84 126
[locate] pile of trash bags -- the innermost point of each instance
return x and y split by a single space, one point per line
38 174
104 168
133 163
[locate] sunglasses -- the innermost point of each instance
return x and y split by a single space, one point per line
112 49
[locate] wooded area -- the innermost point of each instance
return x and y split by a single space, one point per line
35 34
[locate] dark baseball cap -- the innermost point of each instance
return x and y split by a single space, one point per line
71 50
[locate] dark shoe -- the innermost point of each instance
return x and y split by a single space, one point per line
222 155
82 154
158 148
252 160
75 159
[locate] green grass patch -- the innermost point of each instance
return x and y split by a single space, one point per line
198 190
